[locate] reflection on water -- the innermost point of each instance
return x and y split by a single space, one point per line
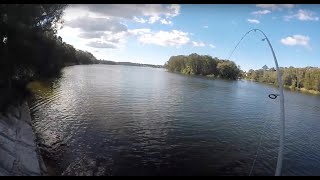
122 120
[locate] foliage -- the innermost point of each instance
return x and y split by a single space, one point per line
307 78
29 47
203 65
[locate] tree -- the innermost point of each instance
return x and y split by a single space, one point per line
29 33
203 65
265 67
30 48
307 78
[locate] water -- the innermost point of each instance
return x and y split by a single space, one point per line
122 120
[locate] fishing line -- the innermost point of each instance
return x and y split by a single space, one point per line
273 96
259 145
237 45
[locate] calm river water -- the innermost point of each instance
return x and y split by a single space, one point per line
124 120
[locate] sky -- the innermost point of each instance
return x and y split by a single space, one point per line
152 33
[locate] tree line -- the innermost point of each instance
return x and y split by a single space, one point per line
203 65
296 78
30 48
126 63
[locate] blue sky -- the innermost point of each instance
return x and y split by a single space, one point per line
152 33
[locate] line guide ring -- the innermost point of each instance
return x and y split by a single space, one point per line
273 96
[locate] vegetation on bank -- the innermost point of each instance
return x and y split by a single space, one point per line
303 79
203 65
30 48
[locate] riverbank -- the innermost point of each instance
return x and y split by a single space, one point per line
19 153
303 90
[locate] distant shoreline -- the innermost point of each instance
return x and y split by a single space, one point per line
126 63
301 90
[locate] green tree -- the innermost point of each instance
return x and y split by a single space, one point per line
196 64
307 77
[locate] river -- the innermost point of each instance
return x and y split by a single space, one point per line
125 120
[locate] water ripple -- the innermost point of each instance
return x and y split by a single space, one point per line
120 120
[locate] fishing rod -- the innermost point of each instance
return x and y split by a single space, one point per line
273 96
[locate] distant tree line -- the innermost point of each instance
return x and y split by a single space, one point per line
203 65
295 78
125 63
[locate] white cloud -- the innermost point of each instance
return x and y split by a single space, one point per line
103 26
111 32
296 40
118 38
212 46
109 39
136 12
253 21
198 44
165 38
90 24
175 10
153 19
139 20
303 15
275 6
261 12
106 22
97 44
91 35
139 31
163 21
206 27
131 10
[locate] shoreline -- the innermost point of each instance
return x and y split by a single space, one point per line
19 152
301 90
305 90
